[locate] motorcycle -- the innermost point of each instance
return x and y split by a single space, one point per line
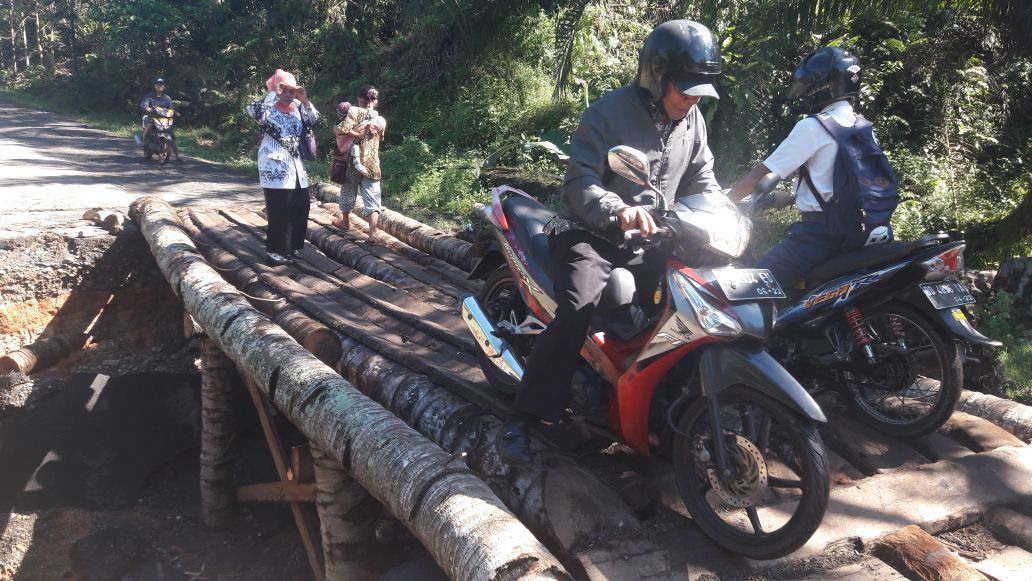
747 457
889 326
160 139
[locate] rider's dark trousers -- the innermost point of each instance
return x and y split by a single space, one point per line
807 245
581 266
288 219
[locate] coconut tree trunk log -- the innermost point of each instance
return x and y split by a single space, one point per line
542 495
1010 415
462 523
317 338
417 234
41 354
218 436
346 518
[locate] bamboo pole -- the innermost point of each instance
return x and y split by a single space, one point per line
218 436
346 519
462 523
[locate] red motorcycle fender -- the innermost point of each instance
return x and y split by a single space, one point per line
727 364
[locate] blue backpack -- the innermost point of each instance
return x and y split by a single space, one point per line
865 195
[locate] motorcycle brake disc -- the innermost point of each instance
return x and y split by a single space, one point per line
751 475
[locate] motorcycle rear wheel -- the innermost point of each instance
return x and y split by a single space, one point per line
780 470
501 300
910 393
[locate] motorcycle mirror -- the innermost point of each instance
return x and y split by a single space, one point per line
767 183
630 163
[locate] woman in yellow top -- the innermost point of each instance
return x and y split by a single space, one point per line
366 127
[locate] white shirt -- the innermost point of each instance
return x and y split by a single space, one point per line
810 144
279 161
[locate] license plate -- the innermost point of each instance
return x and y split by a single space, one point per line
748 284
946 294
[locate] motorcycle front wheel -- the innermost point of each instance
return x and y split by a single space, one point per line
916 380
501 300
164 150
777 491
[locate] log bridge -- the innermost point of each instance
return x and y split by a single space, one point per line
362 348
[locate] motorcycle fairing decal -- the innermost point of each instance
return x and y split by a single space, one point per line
542 304
679 328
840 291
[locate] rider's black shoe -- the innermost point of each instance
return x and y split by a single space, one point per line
512 443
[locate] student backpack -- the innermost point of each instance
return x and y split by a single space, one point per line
865 192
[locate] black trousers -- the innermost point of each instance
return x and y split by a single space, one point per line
582 263
288 219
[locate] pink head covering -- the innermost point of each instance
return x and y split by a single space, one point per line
343 108
280 77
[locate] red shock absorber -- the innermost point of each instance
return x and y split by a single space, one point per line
858 328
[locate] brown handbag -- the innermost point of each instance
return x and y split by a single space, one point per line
339 164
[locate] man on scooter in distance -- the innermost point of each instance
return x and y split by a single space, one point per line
845 201
157 98
656 114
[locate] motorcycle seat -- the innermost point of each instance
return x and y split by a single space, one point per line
870 258
617 313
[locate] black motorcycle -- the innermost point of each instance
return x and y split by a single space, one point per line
160 139
888 325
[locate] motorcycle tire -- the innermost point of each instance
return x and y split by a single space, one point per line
927 351
793 469
501 300
164 152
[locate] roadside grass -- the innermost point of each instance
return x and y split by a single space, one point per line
1016 369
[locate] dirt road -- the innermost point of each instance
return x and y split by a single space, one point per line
54 168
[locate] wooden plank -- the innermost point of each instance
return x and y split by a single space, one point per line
279 458
290 492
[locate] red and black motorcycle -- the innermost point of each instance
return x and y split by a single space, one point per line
748 460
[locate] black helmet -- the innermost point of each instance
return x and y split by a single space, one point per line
824 76
683 51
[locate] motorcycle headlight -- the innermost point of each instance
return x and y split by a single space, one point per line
709 316
730 233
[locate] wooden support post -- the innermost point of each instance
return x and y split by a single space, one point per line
280 459
218 436
346 514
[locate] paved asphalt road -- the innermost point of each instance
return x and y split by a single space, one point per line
53 168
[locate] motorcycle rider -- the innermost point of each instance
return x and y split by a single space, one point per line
828 82
157 98
657 114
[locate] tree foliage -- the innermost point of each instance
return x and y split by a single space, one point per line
946 82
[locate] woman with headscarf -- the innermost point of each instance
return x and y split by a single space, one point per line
281 115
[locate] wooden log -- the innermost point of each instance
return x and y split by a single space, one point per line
41 354
920 556
464 526
542 494
418 235
1010 415
218 436
346 519
317 338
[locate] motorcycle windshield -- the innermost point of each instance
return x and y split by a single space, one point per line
713 214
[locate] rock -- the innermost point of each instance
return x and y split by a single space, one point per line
106 554
1011 564
1010 526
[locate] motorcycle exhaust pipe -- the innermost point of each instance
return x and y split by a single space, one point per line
494 347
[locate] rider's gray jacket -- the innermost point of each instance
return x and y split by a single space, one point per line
680 165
